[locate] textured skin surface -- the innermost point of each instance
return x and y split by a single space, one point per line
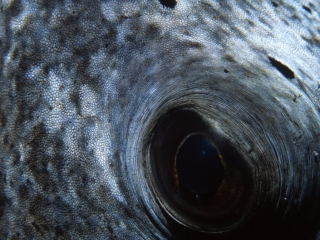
83 81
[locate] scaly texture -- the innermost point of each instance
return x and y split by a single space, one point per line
83 82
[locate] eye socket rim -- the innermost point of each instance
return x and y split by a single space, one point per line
208 223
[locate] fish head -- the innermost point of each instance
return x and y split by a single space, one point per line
108 108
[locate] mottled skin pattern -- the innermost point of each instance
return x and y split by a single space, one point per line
83 82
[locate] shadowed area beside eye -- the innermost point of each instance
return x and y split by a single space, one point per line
198 165
168 3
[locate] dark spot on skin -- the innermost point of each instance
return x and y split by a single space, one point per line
206 4
3 201
191 61
24 113
58 231
39 160
153 31
136 15
275 4
313 40
79 52
111 35
110 229
307 8
265 22
228 58
316 157
36 227
295 99
116 155
131 38
285 22
82 65
283 69
312 5
46 70
36 205
35 164
60 204
225 70
297 139
168 3
194 45
23 191
251 23
24 63
295 18
5 140
75 99
124 17
15 53
113 50
15 8
16 236
2 120
16 157
47 4
187 33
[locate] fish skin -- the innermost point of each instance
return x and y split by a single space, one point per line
82 82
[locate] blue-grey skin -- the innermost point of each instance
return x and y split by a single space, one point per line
83 83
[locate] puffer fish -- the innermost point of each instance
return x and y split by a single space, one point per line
159 119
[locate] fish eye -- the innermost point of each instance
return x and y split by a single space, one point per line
198 165
200 181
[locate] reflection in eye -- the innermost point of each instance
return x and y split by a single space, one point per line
198 165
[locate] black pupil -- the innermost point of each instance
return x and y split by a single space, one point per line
199 166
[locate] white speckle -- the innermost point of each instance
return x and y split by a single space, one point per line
88 102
